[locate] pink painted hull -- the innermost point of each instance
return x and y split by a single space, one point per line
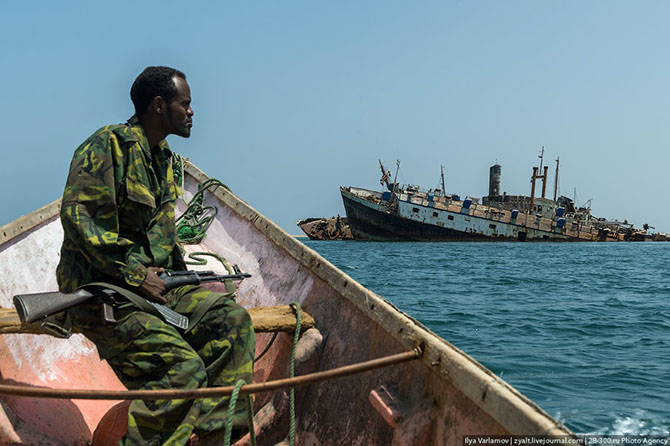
435 400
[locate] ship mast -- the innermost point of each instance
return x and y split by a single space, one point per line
385 176
538 176
395 179
556 180
444 190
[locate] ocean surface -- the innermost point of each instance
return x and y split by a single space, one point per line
583 329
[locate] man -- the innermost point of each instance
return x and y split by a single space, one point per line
119 222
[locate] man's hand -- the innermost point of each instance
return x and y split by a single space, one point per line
153 286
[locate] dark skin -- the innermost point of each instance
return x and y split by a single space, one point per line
163 118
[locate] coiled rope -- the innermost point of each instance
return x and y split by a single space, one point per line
192 225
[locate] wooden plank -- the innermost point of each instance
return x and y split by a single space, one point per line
10 323
279 318
265 319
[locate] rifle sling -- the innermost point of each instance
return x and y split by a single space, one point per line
141 303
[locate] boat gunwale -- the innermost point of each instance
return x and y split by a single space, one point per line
514 411
29 222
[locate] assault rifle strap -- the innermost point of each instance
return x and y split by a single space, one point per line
165 313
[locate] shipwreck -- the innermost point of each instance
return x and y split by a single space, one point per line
409 213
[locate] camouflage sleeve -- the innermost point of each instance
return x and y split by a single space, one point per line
89 212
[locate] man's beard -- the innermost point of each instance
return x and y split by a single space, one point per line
179 129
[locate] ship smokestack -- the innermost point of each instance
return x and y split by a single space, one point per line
494 180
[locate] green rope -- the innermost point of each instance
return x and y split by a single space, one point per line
250 416
196 258
296 336
231 412
192 225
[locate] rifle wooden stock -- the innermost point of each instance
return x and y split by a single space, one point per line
35 307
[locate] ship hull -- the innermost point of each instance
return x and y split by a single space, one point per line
374 223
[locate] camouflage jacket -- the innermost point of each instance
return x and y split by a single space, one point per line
118 209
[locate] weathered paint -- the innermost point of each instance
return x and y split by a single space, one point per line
334 228
27 265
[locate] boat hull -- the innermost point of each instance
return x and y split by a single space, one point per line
434 400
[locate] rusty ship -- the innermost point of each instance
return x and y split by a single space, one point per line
334 228
408 213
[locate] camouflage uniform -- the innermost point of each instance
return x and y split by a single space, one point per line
118 218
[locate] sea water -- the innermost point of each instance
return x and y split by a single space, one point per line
582 329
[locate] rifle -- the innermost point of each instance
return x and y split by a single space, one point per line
37 307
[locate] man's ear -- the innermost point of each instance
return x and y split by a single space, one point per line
158 105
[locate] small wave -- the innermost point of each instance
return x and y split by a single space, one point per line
614 302
639 423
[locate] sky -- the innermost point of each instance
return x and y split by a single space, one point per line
294 99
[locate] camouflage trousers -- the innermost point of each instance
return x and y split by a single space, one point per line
147 353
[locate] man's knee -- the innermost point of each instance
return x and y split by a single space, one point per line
157 348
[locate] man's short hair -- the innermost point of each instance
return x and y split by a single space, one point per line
152 82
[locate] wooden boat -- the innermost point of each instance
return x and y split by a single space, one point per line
436 399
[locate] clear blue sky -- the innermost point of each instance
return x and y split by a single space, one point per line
294 99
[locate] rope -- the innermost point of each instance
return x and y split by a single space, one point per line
250 416
296 337
196 258
298 311
231 412
192 225
210 392
240 383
